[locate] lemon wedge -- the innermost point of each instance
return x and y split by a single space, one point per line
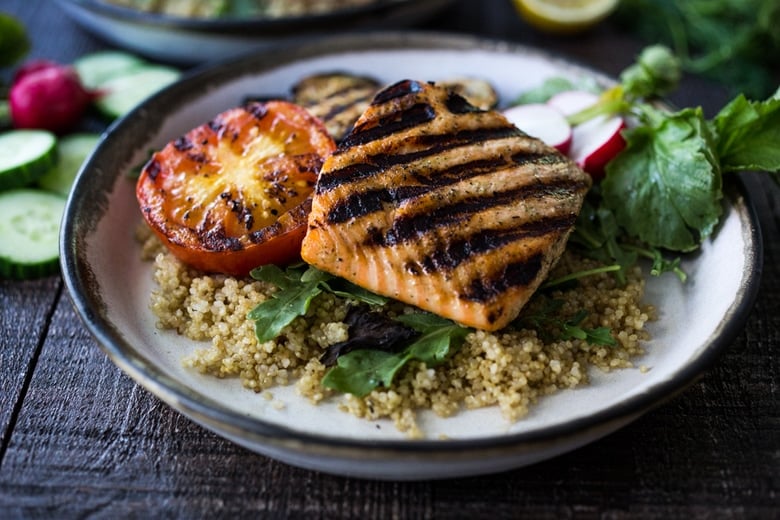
564 16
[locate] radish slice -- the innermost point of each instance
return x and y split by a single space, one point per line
594 142
543 122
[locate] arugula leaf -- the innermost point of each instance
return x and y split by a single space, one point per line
749 134
298 288
361 371
665 186
425 322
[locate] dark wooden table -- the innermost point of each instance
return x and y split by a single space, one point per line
80 439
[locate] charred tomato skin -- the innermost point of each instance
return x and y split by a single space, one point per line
235 192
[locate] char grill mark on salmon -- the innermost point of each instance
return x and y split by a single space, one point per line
431 145
411 227
363 203
457 251
443 206
397 122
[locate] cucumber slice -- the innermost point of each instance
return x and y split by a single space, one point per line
122 93
29 233
98 67
73 151
25 155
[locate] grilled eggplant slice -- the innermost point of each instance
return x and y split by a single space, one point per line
478 92
337 98
441 205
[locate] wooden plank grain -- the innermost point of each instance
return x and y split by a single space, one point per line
90 442
25 311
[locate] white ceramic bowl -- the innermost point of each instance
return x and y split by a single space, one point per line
110 285
189 41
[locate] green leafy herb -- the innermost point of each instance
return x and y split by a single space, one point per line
655 73
551 326
748 134
298 286
347 289
571 329
361 371
578 275
598 233
665 188
660 264
296 291
5 114
735 42
14 43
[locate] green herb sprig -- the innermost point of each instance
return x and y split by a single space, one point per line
14 42
361 371
665 187
547 321
734 42
297 286
662 195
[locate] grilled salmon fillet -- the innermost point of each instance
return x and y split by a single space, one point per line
438 204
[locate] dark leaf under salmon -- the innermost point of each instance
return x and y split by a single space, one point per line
444 206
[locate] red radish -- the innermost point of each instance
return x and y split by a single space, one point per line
543 122
594 142
33 66
48 96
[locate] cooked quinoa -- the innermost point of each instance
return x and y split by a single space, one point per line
510 368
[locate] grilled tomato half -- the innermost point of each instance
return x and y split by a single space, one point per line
235 193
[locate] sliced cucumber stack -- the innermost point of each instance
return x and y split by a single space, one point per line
122 93
25 156
122 80
98 67
37 169
29 230
73 151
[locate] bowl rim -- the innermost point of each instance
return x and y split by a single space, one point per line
82 286
360 14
